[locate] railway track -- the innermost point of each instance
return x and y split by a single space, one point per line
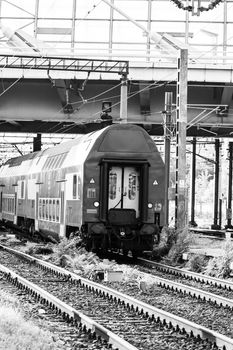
142 325
67 312
217 285
66 335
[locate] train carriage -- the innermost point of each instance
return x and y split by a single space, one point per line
108 186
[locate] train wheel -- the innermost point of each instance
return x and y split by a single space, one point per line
32 230
88 245
135 254
125 252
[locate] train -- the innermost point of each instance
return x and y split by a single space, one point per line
106 187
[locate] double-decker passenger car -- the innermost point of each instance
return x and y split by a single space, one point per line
107 185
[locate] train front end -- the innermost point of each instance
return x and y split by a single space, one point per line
124 182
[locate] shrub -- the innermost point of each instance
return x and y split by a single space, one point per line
65 250
173 243
220 266
166 239
180 245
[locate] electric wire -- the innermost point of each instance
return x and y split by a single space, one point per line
93 98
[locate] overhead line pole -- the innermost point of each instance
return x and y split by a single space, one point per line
167 150
181 125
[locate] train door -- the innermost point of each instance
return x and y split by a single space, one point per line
123 192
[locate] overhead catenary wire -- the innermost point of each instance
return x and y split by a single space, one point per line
88 101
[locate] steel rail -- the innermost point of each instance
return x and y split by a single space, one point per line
67 311
217 282
178 323
195 292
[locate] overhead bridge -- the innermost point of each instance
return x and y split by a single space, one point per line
66 94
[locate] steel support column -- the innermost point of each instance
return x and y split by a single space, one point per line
36 18
215 225
181 123
193 183
167 150
124 99
37 143
73 25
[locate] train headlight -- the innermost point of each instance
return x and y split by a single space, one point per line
96 204
158 206
150 205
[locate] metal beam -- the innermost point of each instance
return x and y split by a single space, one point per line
61 63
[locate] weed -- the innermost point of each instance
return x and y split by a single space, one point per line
180 245
173 243
65 250
16 333
220 266
197 263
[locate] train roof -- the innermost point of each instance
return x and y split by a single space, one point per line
125 138
58 149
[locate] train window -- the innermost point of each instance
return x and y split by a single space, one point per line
4 204
112 185
43 209
132 186
40 209
54 209
79 187
22 190
48 163
91 193
8 205
58 210
74 186
56 162
60 159
52 163
50 210
46 209
1 202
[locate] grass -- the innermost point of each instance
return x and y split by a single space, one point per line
18 334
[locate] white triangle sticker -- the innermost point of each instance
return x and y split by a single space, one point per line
92 181
155 182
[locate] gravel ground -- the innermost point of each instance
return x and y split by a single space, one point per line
211 316
140 332
66 337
